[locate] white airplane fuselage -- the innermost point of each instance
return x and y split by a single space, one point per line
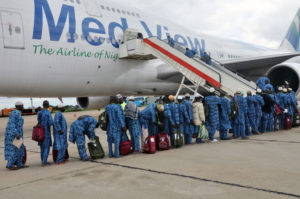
69 49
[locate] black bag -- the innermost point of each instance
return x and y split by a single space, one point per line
95 149
103 121
234 109
178 138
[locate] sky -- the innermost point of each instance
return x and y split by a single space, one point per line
260 22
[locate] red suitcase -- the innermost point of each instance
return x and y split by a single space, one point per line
125 145
150 145
55 153
24 159
287 122
163 142
38 133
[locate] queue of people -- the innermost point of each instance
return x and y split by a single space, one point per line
243 116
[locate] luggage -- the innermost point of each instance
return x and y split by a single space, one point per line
144 136
103 121
24 159
150 145
203 134
55 153
163 142
287 122
95 149
38 133
125 145
296 121
178 138
278 110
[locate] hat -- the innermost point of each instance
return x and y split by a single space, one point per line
258 90
131 98
239 91
197 95
119 96
19 103
61 105
171 98
187 95
285 90
212 90
180 97
290 89
249 93
160 107
280 88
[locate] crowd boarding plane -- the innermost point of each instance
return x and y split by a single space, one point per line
71 48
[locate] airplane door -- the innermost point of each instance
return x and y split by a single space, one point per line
12 27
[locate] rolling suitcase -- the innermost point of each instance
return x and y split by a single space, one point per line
125 145
149 145
178 138
95 149
163 142
287 122
38 133
296 121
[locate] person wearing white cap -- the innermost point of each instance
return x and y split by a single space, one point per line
14 131
131 117
188 129
212 102
259 104
60 129
199 116
238 123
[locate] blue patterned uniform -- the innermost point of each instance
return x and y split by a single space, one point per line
45 119
116 121
212 122
269 87
168 121
60 140
225 123
77 134
239 120
174 109
189 128
184 118
279 100
260 103
293 105
147 119
251 101
261 82
14 127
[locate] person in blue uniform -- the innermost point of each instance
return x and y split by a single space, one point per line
60 129
225 123
184 118
45 119
190 53
174 109
293 103
131 116
279 119
212 122
169 123
267 110
260 103
251 102
189 128
171 41
239 120
14 131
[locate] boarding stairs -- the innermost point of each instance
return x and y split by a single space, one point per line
196 71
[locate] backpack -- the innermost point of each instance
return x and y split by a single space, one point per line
150 145
103 121
163 142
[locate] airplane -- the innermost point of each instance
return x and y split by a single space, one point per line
69 48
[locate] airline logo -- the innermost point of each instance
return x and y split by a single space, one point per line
67 17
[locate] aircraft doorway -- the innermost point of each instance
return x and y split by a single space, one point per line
12 27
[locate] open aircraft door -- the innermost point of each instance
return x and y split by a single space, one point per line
12 30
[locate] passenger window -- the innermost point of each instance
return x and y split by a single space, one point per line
82 37
89 38
72 1
133 14
128 12
78 1
102 7
118 11
114 10
107 8
137 15
17 29
123 12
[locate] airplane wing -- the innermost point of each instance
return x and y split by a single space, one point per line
257 66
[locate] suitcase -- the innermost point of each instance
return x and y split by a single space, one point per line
125 145
163 142
95 149
150 145
296 121
287 122
178 138
55 152
24 159
278 110
38 133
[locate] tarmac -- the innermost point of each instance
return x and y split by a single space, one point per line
265 166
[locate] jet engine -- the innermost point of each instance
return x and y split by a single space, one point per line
287 72
92 102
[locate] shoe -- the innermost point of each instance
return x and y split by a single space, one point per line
214 141
245 138
255 133
46 164
225 138
235 137
85 160
12 168
23 167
